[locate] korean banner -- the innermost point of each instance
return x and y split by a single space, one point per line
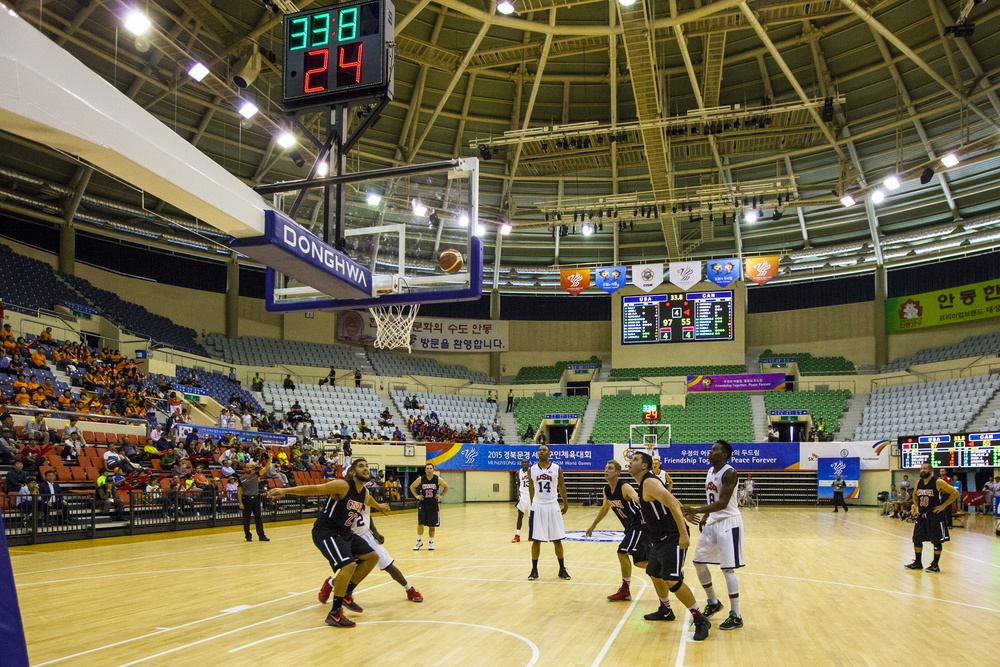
464 456
438 334
761 269
574 281
977 301
723 272
685 274
647 277
871 455
741 382
610 278
849 469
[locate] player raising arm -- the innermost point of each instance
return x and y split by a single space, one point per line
622 498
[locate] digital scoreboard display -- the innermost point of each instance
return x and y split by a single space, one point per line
950 450
338 54
694 317
650 412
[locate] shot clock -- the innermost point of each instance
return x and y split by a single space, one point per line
338 54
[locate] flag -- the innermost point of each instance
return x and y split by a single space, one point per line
685 274
610 278
762 269
647 277
723 272
574 281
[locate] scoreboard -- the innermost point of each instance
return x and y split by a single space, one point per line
677 317
950 450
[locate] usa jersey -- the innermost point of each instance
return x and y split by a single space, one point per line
339 516
523 484
363 525
713 487
546 482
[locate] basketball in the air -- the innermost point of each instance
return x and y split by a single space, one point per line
451 261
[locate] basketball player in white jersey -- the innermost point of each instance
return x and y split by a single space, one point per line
523 496
364 528
721 525
547 489
662 474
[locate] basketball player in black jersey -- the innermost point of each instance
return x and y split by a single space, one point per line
668 541
350 556
931 499
428 489
620 497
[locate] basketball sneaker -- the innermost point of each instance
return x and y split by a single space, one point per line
734 621
915 565
563 574
352 605
414 595
701 627
663 613
932 568
430 545
416 547
712 608
337 619
517 538
622 594
325 590
533 575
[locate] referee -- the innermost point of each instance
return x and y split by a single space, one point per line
248 495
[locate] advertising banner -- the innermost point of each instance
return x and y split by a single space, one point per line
849 470
441 334
464 456
610 278
760 456
761 269
647 277
574 281
724 272
873 454
244 436
741 382
977 301
685 274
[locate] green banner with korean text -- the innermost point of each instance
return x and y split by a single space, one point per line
964 303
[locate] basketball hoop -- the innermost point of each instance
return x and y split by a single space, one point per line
394 325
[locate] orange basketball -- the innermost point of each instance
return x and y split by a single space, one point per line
451 261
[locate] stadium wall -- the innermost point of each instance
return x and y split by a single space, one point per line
845 330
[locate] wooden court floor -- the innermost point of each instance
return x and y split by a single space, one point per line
819 589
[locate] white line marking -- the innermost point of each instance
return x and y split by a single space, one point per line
907 539
531 644
163 629
240 607
618 628
686 637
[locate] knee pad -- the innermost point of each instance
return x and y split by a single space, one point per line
676 587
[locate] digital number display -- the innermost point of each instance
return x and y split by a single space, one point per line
677 317
338 54
650 412
953 450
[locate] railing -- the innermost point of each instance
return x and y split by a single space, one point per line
81 416
178 357
910 376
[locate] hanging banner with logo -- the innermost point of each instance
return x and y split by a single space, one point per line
977 301
849 469
610 278
741 382
574 281
761 269
685 274
647 277
724 272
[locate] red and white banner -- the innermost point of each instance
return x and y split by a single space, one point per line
574 281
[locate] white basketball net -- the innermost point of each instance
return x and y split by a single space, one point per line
394 325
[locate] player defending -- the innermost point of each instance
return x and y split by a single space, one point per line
350 556
931 499
622 498
662 475
547 490
721 541
523 496
668 542
364 527
428 489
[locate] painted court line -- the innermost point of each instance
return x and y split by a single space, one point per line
686 637
618 628
907 539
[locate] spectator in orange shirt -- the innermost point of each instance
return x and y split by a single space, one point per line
20 383
38 398
46 336
7 334
38 360
22 398
65 400
33 384
48 389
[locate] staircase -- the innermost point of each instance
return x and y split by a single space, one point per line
978 423
365 363
753 362
758 409
397 417
851 419
586 424
604 374
508 423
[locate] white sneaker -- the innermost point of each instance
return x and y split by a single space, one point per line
430 546
416 547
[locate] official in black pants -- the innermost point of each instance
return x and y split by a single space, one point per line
248 495
838 494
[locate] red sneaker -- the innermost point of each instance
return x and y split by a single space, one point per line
517 538
324 591
621 594
414 595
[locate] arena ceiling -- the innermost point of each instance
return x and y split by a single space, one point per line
665 123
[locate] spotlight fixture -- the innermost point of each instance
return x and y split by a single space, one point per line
485 152
322 169
505 7
297 158
248 109
878 197
433 219
950 160
574 230
198 71
546 216
626 3
826 115
137 23
374 198
480 229
751 215
600 226
286 139
247 68
505 228
631 225
891 182
587 229
463 220
419 209
926 175
960 30
847 200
